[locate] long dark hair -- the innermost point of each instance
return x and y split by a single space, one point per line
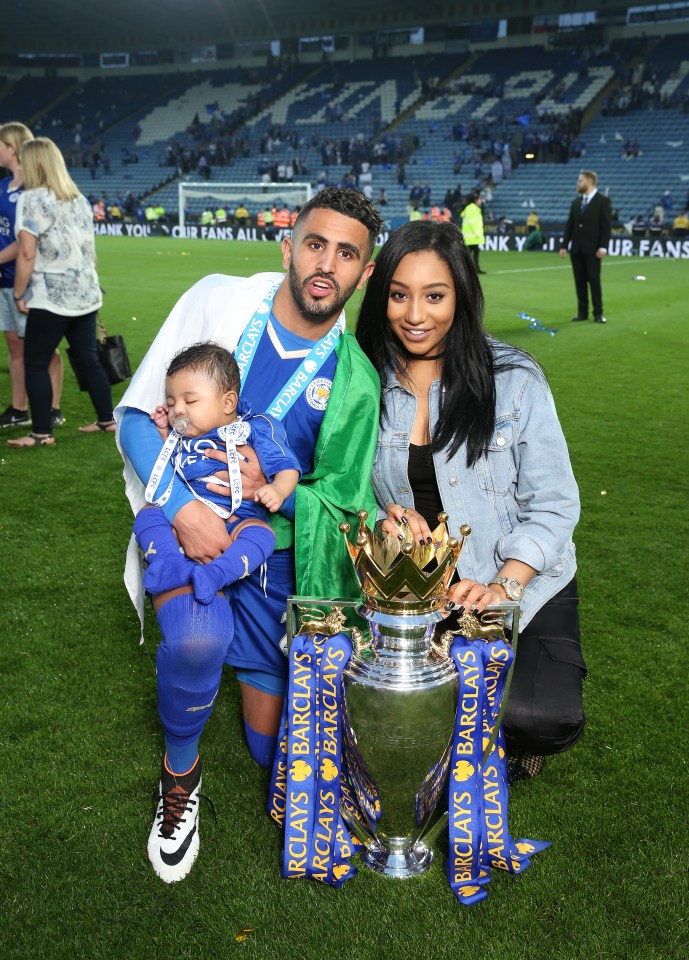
467 408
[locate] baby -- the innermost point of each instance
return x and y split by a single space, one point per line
203 411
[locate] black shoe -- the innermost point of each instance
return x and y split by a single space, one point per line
600 320
56 417
14 418
480 271
579 318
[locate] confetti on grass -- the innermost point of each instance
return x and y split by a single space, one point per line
535 324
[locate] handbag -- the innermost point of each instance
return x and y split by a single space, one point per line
113 356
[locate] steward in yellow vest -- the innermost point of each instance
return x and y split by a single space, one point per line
472 227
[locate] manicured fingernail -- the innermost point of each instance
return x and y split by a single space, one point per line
450 605
422 542
400 537
460 610
429 541
404 521
473 610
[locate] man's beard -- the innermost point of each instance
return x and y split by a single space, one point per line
316 309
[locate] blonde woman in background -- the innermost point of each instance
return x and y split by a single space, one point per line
56 286
12 322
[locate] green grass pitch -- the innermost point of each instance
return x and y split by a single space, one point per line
79 736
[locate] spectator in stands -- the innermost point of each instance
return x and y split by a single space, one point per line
221 216
12 136
680 225
639 226
506 158
382 198
203 167
59 295
416 194
207 218
576 148
655 227
587 234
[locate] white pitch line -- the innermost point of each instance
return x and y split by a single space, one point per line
616 262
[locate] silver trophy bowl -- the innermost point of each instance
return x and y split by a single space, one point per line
399 716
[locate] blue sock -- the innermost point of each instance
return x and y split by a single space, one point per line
253 546
189 662
181 758
167 566
262 747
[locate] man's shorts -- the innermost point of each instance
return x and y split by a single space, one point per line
10 317
260 634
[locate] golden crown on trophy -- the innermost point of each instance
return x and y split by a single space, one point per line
403 576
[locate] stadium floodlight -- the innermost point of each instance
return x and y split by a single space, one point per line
232 194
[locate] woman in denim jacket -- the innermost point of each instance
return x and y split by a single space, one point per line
468 426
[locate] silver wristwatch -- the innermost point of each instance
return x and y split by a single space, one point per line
513 588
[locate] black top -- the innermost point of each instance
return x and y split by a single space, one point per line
423 483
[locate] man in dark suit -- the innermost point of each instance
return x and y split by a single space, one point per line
587 234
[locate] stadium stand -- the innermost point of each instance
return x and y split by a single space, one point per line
387 125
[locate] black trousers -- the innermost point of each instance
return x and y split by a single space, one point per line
544 712
586 269
44 331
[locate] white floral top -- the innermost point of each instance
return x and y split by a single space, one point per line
64 278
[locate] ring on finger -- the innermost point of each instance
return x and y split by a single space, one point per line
404 509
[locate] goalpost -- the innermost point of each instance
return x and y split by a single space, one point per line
232 194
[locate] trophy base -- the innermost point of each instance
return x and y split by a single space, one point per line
399 861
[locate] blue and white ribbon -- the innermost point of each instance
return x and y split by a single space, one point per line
293 388
306 788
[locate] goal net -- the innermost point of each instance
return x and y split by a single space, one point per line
196 197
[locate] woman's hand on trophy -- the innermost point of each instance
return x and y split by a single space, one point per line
400 519
472 595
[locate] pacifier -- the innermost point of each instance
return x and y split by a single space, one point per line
180 425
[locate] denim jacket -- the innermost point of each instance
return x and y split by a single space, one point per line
521 499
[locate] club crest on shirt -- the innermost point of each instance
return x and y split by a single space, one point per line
318 393
13 197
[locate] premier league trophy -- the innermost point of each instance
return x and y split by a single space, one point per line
400 696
